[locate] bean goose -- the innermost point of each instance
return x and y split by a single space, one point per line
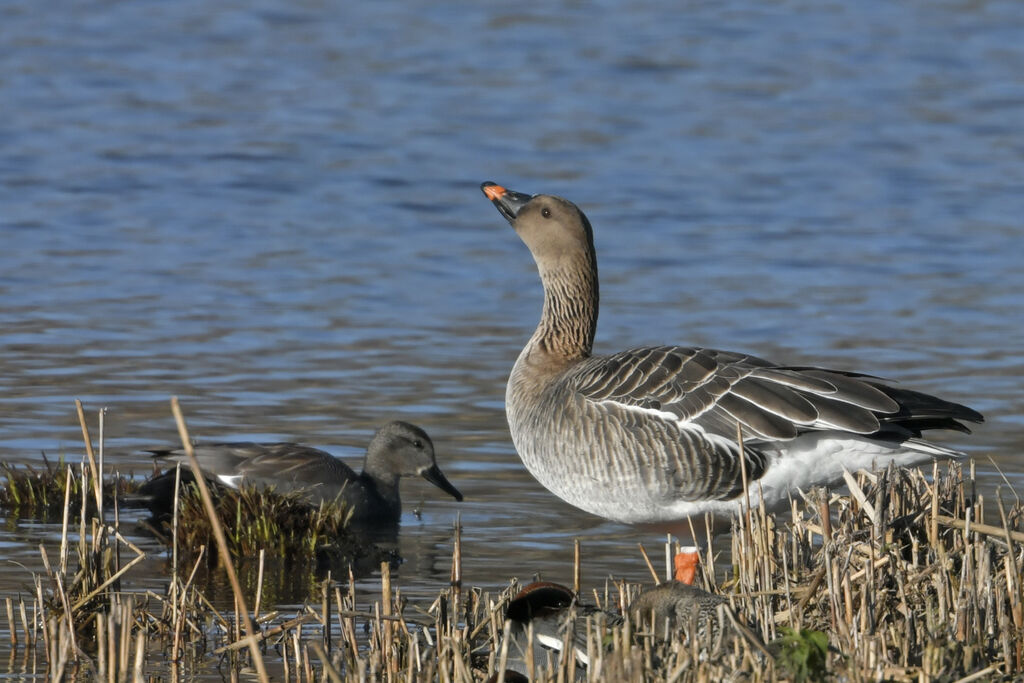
649 435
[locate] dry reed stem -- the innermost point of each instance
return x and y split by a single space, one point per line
178 612
577 570
96 474
650 567
64 524
222 546
329 670
12 632
110 580
98 482
283 627
918 587
259 586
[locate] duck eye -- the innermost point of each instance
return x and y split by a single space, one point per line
546 212
417 444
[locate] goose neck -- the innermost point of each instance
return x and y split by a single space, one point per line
569 317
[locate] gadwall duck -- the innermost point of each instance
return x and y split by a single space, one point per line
649 436
398 449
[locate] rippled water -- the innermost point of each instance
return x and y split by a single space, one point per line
270 210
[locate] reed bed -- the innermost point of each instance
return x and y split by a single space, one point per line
911 576
41 493
280 525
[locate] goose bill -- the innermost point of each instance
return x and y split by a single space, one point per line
508 202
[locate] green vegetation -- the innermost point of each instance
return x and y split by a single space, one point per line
803 654
30 492
281 525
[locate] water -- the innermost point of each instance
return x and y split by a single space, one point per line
270 210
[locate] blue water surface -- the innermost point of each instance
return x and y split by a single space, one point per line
271 210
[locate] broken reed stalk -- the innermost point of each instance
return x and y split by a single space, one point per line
178 612
670 554
259 586
745 513
325 662
1004 532
97 475
456 578
64 524
577 570
826 517
98 482
325 609
385 594
175 579
113 577
12 629
222 546
282 628
934 528
650 567
896 598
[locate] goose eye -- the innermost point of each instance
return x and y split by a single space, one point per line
417 444
546 212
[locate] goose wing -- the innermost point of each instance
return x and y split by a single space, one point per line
714 390
681 407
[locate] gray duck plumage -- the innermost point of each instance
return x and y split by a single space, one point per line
397 450
649 435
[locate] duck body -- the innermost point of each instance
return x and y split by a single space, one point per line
649 435
398 449
556 616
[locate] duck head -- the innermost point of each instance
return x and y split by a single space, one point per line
401 449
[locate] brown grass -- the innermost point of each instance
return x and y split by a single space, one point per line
907 577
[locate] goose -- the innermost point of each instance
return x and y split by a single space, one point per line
648 436
398 449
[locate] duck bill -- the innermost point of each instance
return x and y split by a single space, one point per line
434 476
508 202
